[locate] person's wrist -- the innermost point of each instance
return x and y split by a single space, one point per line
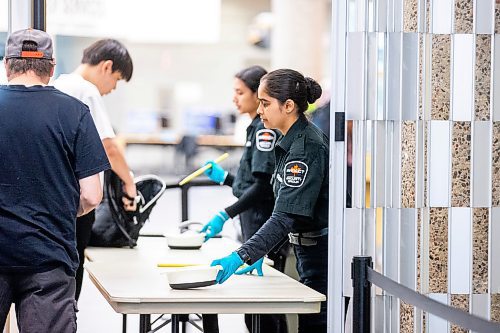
244 256
223 215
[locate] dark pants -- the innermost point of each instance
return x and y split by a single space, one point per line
312 266
251 221
45 302
83 230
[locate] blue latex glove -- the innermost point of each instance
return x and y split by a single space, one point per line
216 173
256 265
215 225
229 265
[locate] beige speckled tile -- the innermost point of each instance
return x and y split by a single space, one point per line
406 315
497 18
427 16
438 250
408 162
410 16
495 308
482 77
464 13
480 250
440 77
495 168
461 164
460 302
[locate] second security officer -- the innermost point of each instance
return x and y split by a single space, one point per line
251 185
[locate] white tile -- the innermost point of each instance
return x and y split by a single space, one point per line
481 165
408 235
395 171
462 87
460 250
398 15
393 67
355 95
484 16
439 164
437 324
379 164
391 243
358 163
372 75
442 16
410 92
352 244
480 305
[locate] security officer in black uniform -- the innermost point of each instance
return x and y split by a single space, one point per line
252 182
300 185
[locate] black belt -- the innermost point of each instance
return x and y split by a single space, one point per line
306 238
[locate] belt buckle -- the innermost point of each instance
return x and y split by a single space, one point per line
301 241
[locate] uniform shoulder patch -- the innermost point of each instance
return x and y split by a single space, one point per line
295 173
265 139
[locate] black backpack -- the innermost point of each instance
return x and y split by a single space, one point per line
116 227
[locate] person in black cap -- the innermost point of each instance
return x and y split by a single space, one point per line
251 185
50 157
300 183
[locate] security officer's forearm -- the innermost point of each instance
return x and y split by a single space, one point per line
266 238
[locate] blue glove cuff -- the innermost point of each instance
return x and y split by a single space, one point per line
223 215
224 178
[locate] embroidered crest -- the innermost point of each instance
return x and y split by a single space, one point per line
265 140
295 173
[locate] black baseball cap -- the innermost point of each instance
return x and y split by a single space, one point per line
14 46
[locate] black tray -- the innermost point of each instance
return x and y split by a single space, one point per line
192 284
184 247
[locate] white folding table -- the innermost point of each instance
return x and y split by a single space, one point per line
131 282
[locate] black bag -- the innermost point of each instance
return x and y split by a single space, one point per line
116 227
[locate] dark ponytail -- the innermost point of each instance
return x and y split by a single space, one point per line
284 84
251 76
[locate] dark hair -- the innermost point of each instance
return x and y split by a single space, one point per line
251 76
110 49
284 84
41 67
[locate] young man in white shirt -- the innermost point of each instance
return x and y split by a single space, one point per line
103 64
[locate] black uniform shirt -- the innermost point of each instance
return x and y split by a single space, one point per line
300 180
258 157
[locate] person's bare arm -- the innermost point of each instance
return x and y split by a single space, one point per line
120 167
90 194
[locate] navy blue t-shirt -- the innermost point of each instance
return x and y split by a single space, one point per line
48 141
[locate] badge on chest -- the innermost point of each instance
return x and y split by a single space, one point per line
265 140
295 173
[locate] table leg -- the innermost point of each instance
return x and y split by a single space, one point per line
144 323
124 323
175 323
255 323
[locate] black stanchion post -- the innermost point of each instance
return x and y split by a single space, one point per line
361 294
